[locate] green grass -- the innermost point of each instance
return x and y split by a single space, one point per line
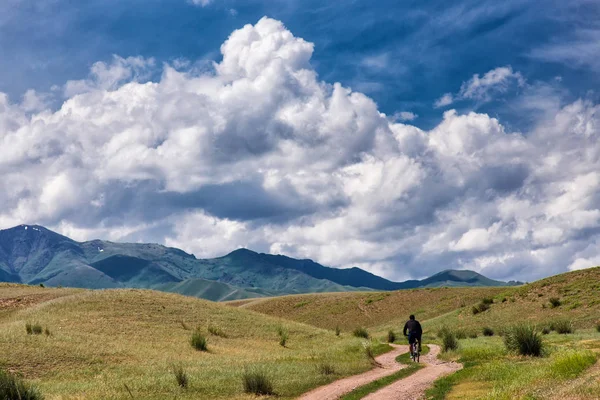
524 340
374 386
258 383
492 373
199 342
361 332
13 387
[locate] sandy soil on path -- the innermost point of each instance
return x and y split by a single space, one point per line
413 387
387 366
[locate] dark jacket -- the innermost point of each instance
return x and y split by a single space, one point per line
413 326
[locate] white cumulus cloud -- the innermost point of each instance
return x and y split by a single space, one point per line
260 153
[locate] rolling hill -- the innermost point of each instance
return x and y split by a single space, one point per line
33 254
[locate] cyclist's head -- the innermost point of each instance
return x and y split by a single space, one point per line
412 316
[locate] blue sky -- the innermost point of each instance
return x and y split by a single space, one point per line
404 137
403 54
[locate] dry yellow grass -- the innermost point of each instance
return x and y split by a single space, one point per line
370 309
105 343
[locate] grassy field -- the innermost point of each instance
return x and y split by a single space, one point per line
123 344
110 343
568 369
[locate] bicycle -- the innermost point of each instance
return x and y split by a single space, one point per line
415 354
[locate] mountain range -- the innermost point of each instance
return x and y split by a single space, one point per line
33 254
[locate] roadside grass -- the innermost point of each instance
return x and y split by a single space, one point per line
129 341
374 386
491 372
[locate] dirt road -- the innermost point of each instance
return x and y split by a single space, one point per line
409 388
387 366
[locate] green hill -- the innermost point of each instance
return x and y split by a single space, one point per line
33 254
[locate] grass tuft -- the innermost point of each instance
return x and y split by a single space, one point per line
181 376
597 326
524 340
283 336
391 338
33 329
545 330
47 332
326 368
14 388
216 331
449 341
563 326
258 383
199 341
554 302
337 331
361 333
487 331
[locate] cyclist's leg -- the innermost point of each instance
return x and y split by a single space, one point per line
411 341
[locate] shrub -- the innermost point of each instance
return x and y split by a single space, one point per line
337 331
258 383
42 285
481 307
391 336
199 342
524 340
370 354
33 329
545 330
180 376
449 342
554 302
361 333
13 387
487 331
475 310
487 300
597 326
473 335
563 327
326 369
283 336
47 332
504 299
216 331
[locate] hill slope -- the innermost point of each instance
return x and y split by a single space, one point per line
107 344
33 254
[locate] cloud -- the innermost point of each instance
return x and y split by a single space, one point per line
445 100
201 3
404 116
258 152
483 88
578 50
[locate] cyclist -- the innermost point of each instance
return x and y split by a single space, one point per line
414 331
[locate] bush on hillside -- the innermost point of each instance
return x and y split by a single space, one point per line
13 387
361 333
473 335
337 331
391 336
487 300
33 329
487 331
180 376
199 341
258 383
563 326
597 326
216 331
449 341
524 340
481 307
443 331
554 302
283 336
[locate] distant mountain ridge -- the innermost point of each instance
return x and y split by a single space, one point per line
33 254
